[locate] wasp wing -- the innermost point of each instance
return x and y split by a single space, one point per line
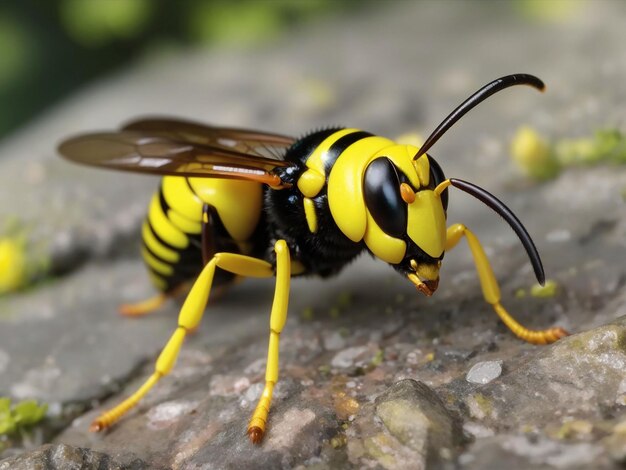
251 142
156 153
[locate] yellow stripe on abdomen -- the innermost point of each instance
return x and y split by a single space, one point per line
166 230
156 247
159 266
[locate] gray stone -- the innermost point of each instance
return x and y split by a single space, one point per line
61 342
416 416
64 457
578 376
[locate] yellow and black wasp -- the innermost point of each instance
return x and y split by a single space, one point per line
256 204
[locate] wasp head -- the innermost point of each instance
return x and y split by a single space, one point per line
406 216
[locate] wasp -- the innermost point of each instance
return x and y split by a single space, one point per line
257 204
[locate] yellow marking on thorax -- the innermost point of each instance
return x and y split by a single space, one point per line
313 180
310 214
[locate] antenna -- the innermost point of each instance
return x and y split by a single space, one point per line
474 100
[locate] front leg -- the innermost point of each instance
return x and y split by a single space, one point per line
278 317
491 290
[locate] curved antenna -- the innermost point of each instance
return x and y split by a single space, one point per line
508 215
477 98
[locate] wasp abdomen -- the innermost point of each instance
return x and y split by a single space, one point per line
171 233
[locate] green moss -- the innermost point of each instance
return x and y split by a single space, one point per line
520 293
307 314
16 50
483 404
541 159
378 358
548 290
344 300
19 416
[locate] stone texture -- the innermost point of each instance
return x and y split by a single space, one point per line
391 69
64 457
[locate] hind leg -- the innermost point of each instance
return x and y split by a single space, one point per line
208 241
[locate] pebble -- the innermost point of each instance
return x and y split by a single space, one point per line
346 358
484 372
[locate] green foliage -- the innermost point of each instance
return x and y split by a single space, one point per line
17 417
96 22
249 21
541 159
15 49
606 145
51 48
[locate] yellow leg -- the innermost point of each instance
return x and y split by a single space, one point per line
144 307
150 305
491 290
188 320
278 317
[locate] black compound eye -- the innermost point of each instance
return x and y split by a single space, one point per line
437 176
381 188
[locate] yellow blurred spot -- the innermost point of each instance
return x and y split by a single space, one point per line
319 93
533 154
430 356
12 265
546 291
576 428
338 441
553 11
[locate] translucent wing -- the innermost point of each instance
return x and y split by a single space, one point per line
251 142
171 147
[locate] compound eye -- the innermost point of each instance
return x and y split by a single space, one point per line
381 188
436 177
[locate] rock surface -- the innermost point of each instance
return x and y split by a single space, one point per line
351 343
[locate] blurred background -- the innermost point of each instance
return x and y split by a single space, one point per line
69 235
49 48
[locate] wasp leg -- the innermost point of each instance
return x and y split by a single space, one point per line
143 307
208 247
491 290
188 320
278 317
